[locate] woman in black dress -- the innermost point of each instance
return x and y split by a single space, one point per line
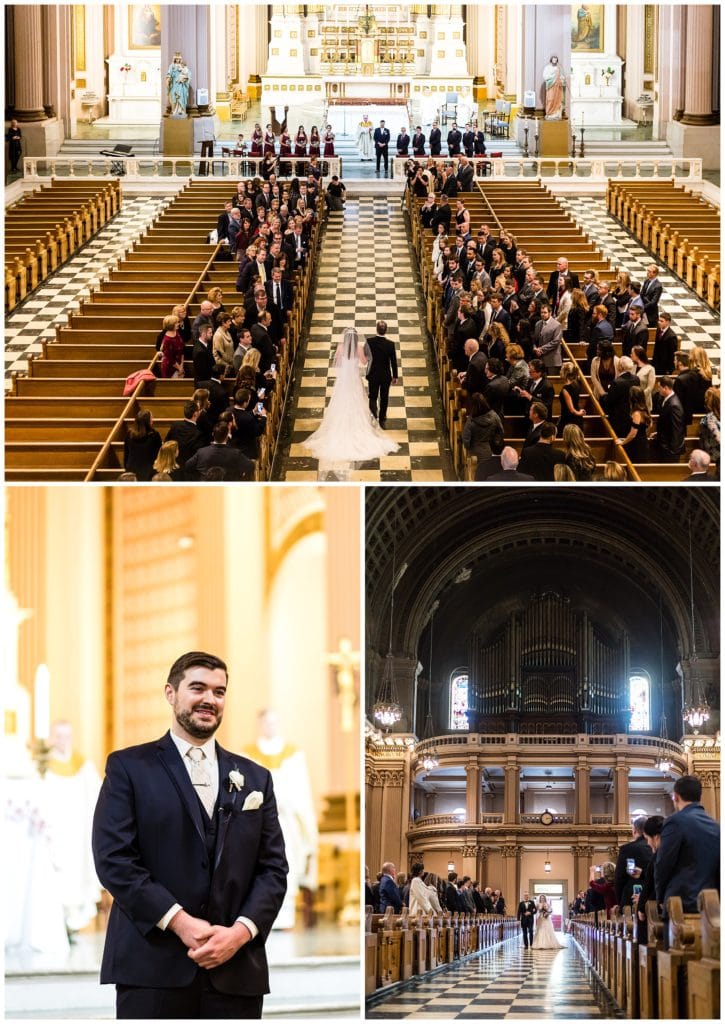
141 446
577 453
569 398
636 442
579 319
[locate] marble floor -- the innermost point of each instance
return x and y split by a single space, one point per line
506 983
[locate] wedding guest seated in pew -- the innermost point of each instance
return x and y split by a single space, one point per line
699 465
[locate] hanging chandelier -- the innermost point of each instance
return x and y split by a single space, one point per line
387 708
696 710
547 863
664 762
430 761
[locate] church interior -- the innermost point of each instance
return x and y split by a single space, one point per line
104 589
539 673
593 135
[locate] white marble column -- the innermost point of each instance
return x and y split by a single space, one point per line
28 54
634 75
670 86
698 66
546 31
475 17
261 32
56 66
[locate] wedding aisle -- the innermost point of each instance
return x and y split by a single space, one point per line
508 982
366 274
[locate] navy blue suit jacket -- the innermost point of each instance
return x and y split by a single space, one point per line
150 852
688 858
389 895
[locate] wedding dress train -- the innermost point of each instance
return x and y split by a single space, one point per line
545 936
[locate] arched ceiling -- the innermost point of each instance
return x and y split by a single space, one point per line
480 551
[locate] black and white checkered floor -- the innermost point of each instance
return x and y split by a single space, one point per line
64 290
365 274
692 319
505 983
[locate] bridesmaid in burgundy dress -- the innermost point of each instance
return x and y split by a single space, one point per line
285 149
257 137
269 141
329 141
314 141
300 148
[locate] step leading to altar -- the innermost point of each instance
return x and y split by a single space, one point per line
305 981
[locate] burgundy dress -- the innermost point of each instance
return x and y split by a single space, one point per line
268 144
172 352
301 144
285 148
314 145
256 149
329 144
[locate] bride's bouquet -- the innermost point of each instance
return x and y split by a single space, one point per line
544 912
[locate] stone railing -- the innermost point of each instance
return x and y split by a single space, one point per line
497 818
433 820
535 819
602 819
143 168
600 170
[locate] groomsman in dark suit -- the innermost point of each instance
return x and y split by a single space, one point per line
381 138
434 140
467 141
402 143
382 373
187 840
665 346
454 141
418 141
669 441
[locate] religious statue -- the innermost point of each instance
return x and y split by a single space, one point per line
365 138
178 79
295 806
554 84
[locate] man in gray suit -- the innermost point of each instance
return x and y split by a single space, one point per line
547 339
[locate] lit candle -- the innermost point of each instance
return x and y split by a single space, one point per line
42 703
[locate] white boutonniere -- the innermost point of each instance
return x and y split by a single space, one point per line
236 780
253 801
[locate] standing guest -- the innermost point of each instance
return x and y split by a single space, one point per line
539 459
616 401
569 398
167 463
525 914
141 446
219 454
418 895
688 859
335 195
607 300
193 883
483 433
604 369
690 386
557 280
669 441
402 143
601 331
539 390
651 293
418 142
14 139
578 322
702 366
205 317
329 150
709 435
203 357
652 831
577 453
389 896
634 854
663 355
248 423
634 332
601 880
434 140
172 349
547 339
645 374
223 343
590 288
467 140
622 296
479 143
186 433
640 423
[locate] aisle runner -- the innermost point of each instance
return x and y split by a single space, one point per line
507 983
36 318
693 321
366 274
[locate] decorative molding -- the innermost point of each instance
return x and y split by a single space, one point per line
469 850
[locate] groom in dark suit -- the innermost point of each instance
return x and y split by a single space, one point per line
526 914
382 373
381 138
187 841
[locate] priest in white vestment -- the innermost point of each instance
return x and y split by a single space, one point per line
365 138
296 809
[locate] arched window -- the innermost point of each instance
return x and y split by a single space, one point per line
459 700
640 688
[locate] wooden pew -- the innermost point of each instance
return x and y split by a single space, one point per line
703 975
648 985
684 946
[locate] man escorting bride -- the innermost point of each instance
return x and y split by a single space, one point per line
545 936
348 432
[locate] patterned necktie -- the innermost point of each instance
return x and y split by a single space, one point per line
201 778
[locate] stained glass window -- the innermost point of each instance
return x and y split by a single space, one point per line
459 701
639 702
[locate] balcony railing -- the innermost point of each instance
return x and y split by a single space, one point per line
550 168
450 741
497 818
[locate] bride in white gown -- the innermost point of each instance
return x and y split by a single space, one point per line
545 936
348 433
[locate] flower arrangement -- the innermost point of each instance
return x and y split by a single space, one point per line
125 67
